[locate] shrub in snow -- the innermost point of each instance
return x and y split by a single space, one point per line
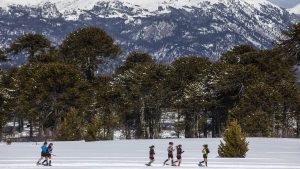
9 141
235 144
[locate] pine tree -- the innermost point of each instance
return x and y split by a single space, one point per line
57 88
3 56
92 130
233 56
32 44
184 72
87 48
235 142
3 98
141 98
105 99
289 45
135 59
71 127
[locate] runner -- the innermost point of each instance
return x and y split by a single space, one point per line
179 152
170 154
43 153
205 152
151 155
49 154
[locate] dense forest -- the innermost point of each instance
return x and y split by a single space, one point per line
59 93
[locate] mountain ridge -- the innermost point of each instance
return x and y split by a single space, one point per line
73 8
208 29
295 10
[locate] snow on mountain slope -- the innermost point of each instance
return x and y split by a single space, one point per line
72 9
77 6
167 29
85 4
295 10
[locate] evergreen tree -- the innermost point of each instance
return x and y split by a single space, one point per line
9 98
94 129
103 108
3 96
235 142
184 72
3 57
3 112
32 45
233 56
256 87
289 45
71 128
200 97
267 90
47 91
49 56
87 48
141 97
135 59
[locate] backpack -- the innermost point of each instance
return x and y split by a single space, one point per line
207 150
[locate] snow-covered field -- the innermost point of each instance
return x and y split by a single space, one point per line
133 154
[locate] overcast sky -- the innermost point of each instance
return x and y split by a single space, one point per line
286 3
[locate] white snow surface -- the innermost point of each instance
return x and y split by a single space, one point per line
295 10
264 153
151 5
72 9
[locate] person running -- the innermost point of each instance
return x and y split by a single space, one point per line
205 152
170 154
49 154
43 153
179 152
151 155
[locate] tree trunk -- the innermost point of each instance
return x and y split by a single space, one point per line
205 129
197 132
220 128
127 133
41 132
285 123
21 124
188 125
178 120
31 130
14 128
141 128
151 129
145 131
1 132
156 122
297 128
213 128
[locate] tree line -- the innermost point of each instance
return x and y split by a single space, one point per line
58 92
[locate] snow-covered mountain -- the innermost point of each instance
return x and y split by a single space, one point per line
295 10
285 3
165 28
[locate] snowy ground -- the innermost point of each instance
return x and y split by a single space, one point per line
133 154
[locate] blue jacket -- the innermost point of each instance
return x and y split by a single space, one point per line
44 148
